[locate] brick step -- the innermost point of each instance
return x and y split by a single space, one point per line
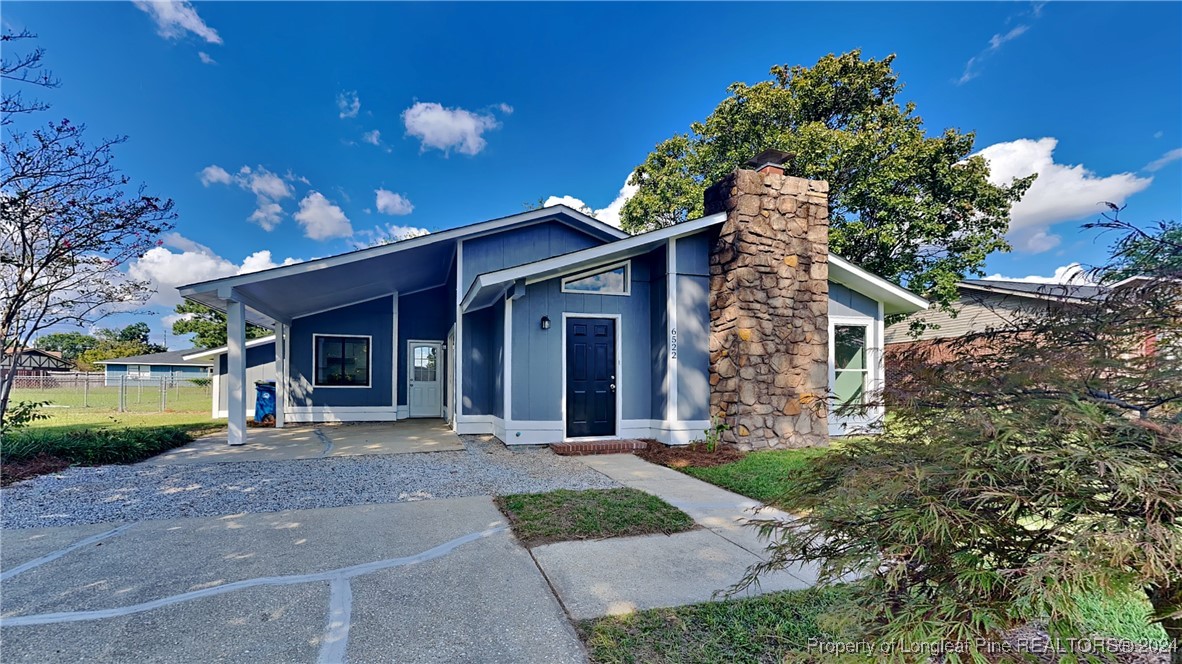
598 447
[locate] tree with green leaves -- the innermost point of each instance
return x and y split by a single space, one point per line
208 326
70 220
69 344
1033 465
914 208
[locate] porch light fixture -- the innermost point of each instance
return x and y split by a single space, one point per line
545 322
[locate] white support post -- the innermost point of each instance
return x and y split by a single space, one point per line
281 331
236 370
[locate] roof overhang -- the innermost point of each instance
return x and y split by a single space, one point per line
895 299
283 293
489 287
221 350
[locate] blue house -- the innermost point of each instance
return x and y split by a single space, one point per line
549 326
155 367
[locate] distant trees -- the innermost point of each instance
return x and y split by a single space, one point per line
208 326
71 345
1040 464
915 208
69 219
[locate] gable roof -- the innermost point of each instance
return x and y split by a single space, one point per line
405 266
172 357
488 287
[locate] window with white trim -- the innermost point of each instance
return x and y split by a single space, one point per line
139 372
850 367
342 361
611 280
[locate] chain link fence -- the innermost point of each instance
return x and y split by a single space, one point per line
117 394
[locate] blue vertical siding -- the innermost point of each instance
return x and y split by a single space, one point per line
374 318
483 358
518 246
846 302
537 353
426 316
693 325
658 305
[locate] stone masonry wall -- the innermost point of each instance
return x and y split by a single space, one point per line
769 306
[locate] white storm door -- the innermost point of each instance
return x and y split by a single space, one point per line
425 378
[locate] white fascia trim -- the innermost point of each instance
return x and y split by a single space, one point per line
153 364
224 414
221 350
552 267
469 231
901 300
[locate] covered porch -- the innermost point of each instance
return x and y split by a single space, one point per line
320 441
349 304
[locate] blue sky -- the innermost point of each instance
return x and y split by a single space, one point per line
257 118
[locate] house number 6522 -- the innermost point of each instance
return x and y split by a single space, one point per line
673 343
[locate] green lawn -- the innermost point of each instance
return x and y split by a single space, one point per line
764 476
756 630
540 518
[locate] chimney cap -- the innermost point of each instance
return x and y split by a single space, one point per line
769 158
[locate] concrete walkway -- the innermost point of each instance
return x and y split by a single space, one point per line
434 581
319 441
621 575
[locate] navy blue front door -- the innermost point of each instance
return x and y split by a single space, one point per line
590 377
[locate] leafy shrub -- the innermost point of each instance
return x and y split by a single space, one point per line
93 447
21 415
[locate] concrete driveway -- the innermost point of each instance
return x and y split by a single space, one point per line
433 581
320 441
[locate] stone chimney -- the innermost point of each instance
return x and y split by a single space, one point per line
769 307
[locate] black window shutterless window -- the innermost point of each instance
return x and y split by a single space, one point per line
342 361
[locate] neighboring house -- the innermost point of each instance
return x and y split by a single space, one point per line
260 365
34 362
550 325
169 366
995 304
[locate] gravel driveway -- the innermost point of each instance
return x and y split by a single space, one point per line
136 493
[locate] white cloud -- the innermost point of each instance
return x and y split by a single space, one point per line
389 202
175 18
505 108
349 104
1072 273
609 214
206 58
1060 193
191 262
268 215
214 174
264 183
972 68
372 137
387 233
447 128
321 219
1163 161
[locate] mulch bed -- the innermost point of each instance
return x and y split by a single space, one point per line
15 471
694 454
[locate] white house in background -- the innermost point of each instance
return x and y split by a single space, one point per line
260 365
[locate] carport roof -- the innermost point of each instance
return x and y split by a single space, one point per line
290 291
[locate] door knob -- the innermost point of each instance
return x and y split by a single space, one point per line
613 386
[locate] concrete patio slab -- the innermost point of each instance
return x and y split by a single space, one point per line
319 441
626 574
287 586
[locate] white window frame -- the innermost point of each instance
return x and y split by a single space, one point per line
870 372
368 362
627 265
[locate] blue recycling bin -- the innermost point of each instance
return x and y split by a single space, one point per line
264 401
